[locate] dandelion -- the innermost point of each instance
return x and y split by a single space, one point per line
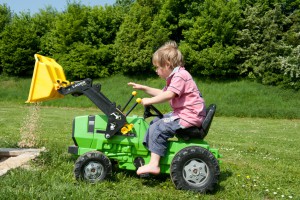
248 177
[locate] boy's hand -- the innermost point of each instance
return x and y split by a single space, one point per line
136 86
146 101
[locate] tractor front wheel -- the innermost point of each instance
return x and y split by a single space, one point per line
93 167
195 168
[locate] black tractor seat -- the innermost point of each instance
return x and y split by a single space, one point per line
196 132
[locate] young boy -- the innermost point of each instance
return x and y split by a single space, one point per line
184 97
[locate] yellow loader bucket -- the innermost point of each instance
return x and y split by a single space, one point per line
48 77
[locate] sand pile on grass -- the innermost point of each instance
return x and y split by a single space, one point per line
11 158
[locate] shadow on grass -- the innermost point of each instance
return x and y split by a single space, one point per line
150 181
223 177
153 181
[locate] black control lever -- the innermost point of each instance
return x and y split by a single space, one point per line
148 113
138 100
133 94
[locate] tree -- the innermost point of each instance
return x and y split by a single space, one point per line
5 16
290 65
262 44
148 25
18 44
292 36
133 43
94 55
44 22
178 15
86 61
82 38
124 4
209 45
70 27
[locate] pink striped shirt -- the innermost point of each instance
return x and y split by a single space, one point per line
188 105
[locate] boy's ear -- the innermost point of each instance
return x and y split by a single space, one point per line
168 66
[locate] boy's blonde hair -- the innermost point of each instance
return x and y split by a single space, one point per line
168 54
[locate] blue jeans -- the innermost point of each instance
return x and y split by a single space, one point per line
158 133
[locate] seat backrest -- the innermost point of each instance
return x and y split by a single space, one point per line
195 132
210 112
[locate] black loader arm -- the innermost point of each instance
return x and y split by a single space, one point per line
116 119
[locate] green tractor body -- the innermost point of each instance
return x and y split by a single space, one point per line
127 149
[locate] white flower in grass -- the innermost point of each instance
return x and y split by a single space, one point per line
275 193
290 197
267 190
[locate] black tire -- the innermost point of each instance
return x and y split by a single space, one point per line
92 167
195 168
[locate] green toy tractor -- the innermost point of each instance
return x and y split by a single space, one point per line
116 137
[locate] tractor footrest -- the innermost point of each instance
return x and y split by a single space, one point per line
73 149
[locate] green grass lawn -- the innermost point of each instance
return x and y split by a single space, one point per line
260 151
233 98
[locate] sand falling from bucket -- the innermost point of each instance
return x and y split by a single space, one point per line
29 128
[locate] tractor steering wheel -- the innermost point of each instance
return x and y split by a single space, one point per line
148 113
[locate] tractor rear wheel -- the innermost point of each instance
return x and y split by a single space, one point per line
92 167
195 168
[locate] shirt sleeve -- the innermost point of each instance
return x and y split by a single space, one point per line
177 84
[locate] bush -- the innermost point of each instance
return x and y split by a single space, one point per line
19 43
290 66
209 44
267 56
86 61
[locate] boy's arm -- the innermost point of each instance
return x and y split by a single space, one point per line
160 98
149 90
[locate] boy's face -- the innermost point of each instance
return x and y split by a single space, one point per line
163 72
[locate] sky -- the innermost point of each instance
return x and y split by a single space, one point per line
33 6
